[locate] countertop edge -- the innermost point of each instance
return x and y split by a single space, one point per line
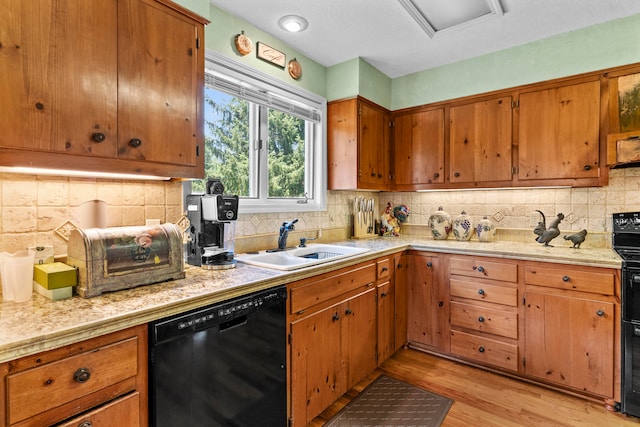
14 349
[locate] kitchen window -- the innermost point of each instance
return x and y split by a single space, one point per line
264 139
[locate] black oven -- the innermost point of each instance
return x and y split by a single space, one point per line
626 242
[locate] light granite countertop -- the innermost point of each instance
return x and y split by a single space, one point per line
41 324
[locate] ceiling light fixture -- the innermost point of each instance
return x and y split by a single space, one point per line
293 23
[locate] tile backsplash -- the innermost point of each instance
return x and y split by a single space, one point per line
32 207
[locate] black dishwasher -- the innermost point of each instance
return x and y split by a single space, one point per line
222 365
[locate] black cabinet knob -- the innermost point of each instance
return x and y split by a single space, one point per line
86 424
98 137
481 319
480 269
348 311
436 175
565 278
382 295
587 167
82 375
600 313
481 349
429 264
335 317
456 174
480 291
135 142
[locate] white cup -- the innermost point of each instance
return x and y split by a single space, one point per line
16 270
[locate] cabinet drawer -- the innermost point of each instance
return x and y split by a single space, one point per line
485 350
483 269
585 280
484 319
120 412
330 286
383 269
45 387
484 290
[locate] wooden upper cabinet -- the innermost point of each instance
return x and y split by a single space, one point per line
109 86
58 90
559 133
418 149
358 145
480 141
162 72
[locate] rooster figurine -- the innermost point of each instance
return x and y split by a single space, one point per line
547 234
577 238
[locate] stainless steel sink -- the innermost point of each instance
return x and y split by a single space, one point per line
292 259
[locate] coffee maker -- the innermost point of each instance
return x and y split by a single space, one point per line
212 231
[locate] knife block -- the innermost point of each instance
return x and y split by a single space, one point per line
361 230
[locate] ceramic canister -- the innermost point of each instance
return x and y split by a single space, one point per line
463 227
485 230
440 224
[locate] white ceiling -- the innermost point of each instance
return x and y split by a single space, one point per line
384 34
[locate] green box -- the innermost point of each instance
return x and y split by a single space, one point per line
54 275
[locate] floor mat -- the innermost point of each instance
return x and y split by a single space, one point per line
390 402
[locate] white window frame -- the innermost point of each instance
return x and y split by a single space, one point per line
317 180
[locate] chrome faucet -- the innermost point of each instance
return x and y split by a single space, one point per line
285 228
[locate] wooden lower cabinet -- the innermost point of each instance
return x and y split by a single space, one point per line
427 306
400 300
484 310
556 324
386 321
570 336
102 380
332 339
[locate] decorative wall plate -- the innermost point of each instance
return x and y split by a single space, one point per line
243 44
295 69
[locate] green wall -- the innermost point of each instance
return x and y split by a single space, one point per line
593 48
220 36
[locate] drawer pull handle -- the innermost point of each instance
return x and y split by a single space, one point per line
480 291
335 317
384 294
429 264
481 269
565 278
135 142
480 319
82 375
384 269
348 311
600 313
481 349
86 424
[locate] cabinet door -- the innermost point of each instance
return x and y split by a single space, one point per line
316 364
559 132
569 341
157 84
59 76
425 303
373 158
359 337
419 148
480 141
386 321
400 287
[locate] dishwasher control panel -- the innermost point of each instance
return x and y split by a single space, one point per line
214 315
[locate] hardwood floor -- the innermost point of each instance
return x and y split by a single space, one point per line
485 399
